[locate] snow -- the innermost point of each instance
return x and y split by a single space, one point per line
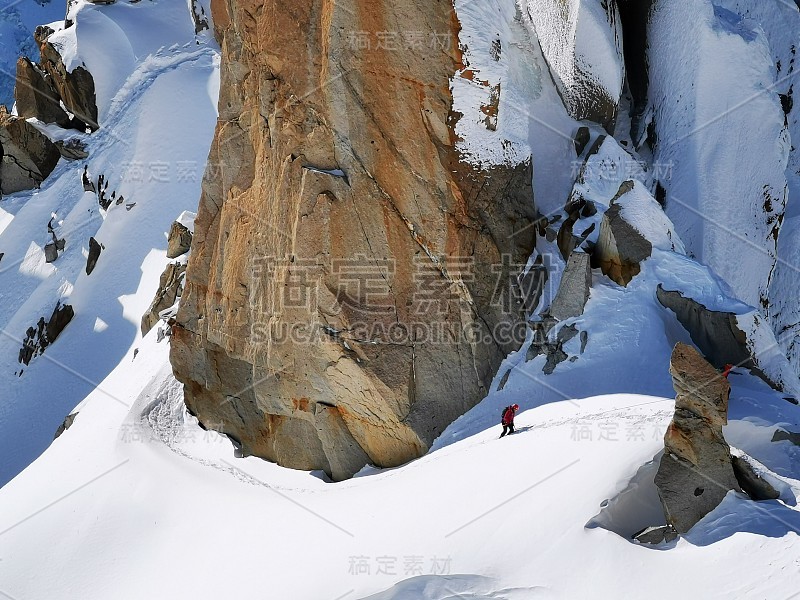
722 146
142 502
18 20
581 40
129 492
152 149
186 218
112 41
639 207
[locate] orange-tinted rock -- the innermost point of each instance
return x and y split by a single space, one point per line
343 252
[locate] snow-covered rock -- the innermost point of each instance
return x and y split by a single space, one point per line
582 43
140 496
18 20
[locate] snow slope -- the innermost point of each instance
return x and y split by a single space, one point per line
145 504
151 148
136 500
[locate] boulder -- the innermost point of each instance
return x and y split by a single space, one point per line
28 156
696 470
370 269
36 96
170 287
94 253
751 482
50 253
62 315
72 149
581 42
573 291
620 247
179 240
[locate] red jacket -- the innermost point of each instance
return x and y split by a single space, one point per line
508 416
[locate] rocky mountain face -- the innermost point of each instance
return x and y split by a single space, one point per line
354 283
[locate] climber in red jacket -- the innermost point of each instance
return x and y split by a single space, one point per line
507 420
726 370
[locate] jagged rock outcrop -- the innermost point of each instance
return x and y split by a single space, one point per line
548 340
782 435
697 469
38 338
74 88
581 139
567 238
656 535
352 286
573 291
28 156
170 287
582 43
695 472
72 149
36 96
716 333
68 421
198 16
179 240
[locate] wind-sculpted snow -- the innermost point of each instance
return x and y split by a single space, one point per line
722 146
18 20
156 489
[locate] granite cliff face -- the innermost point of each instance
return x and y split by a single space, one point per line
354 281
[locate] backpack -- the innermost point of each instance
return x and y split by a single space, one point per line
503 414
